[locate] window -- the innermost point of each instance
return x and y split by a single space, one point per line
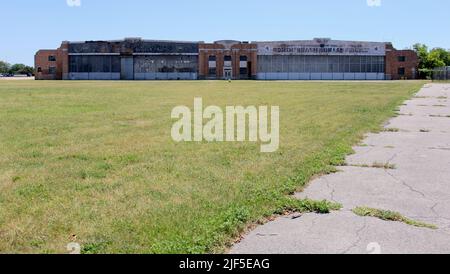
243 71
212 58
227 58
212 71
51 58
39 69
52 70
243 58
402 58
401 71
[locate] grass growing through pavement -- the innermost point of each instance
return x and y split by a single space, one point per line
387 215
290 204
391 130
94 161
377 165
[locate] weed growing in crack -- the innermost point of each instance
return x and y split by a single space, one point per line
440 116
307 206
391 130
376 165
387 215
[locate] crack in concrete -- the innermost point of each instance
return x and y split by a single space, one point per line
333 191
392 158
406 185
313 223
358 236
440 148
438 215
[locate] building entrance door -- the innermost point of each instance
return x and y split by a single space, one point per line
127 68
228 73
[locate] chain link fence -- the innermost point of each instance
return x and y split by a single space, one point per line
441 74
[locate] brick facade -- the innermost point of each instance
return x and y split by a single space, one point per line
52 64
48 66
219 60
401 64
236 50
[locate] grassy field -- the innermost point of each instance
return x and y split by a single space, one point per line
94 162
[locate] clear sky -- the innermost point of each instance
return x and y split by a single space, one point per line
39 24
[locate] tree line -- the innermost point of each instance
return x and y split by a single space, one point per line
6 68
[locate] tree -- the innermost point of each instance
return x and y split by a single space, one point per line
17 68
441 54
429 60
21 69
28 70
4 67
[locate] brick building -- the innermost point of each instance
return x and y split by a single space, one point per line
227 60
401 64
138 59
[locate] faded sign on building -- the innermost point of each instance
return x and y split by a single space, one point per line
321 47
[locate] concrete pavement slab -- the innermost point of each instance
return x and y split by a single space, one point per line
415 183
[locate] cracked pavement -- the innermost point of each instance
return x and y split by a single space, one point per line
418 188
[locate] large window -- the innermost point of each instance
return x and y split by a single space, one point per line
51 58
85 64
320 64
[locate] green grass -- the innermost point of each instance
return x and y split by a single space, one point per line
95 161
387 215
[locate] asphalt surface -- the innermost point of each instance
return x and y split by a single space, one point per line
418 187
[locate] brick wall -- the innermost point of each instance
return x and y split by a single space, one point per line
43 64
398 61
221 49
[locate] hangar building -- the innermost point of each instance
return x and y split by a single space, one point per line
138 59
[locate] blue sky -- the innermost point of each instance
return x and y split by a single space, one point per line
38 24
